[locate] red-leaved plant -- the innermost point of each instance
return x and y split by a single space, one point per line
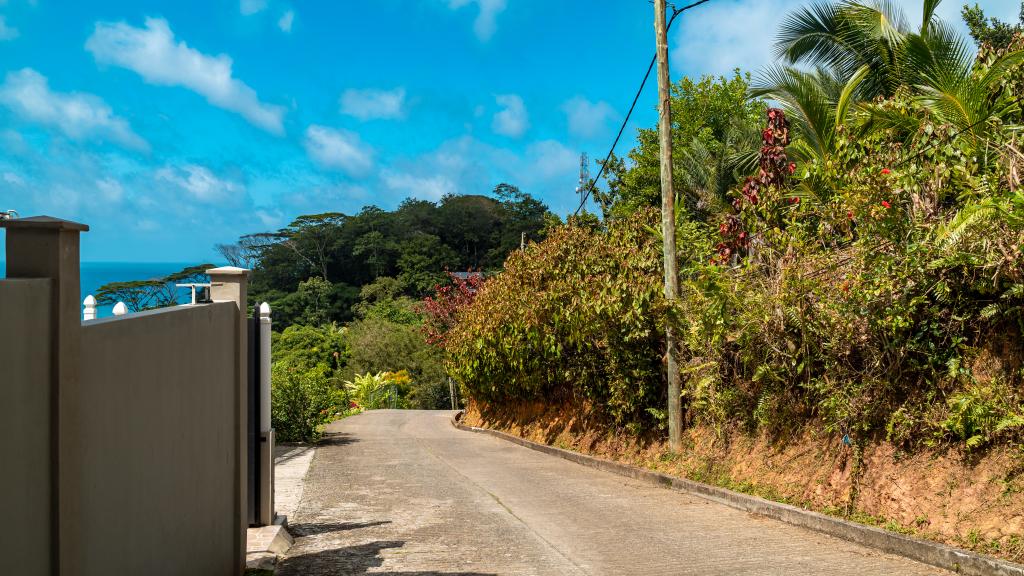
775 168
441 310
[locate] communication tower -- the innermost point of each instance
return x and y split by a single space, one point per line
584 182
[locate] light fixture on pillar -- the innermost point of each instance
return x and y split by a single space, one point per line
200 292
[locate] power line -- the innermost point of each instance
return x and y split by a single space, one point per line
675 12
954 135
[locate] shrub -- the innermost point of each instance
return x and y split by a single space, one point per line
380 390
302 400
578 316
310 346
379 343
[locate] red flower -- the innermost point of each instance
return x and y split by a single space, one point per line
886 171
886 204
792 167
849 214
794 200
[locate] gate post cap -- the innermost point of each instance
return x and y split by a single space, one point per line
228 271
264 310
45 222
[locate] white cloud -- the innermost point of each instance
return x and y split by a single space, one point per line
110 190
13 179
201 184
720 36
153 53
338 150
486 23
370 103
587 119
270 218
549 159
7 32
466 165
512 120
423 187
248 7
78 115
286 21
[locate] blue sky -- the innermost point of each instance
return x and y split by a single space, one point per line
172 126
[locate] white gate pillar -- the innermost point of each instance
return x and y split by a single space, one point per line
267 512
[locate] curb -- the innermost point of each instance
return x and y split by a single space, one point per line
931 553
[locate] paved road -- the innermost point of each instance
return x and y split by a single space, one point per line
402 492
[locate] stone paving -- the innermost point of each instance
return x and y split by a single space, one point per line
291 462
402 492
265 543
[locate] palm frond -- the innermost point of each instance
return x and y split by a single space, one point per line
812 34
928 15
950 234
806 101
846 96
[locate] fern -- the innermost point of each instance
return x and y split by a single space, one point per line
1011 422
951 234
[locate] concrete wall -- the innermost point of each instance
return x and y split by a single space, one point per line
155 445
25 425
124 438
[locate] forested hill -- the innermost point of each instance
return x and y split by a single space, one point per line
313 270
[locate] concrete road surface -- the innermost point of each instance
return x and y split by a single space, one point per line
403 492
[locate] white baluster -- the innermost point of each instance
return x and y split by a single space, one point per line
120 309
90 308
264 339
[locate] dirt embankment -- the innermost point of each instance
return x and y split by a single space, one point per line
974 501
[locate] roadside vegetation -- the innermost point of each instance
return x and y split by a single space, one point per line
351 332
850 229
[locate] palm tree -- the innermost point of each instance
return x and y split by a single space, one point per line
817 104
846 36
946 81
707 169
864 51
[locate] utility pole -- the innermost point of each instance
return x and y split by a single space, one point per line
668 226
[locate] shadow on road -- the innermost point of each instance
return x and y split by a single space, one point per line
353 560
299 530
337 439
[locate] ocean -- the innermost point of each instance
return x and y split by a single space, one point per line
96 274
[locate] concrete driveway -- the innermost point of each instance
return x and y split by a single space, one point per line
403 492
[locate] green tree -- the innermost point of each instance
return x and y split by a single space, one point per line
414 244
714 134
313 296
991 31
422 261
389 338
862 52
139 295
310 346
846 36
